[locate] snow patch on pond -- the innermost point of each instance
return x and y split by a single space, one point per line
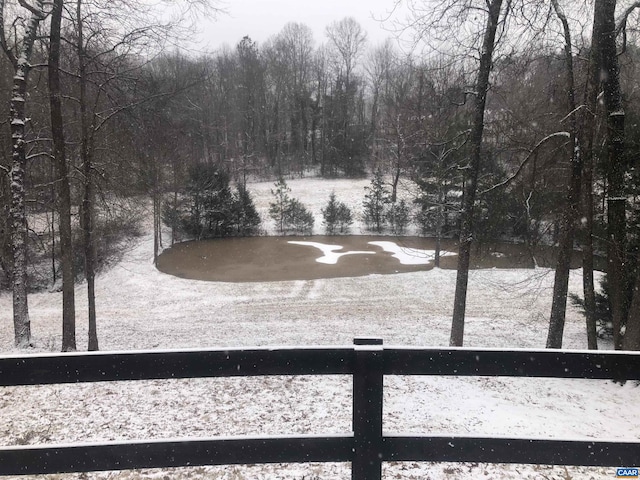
410 256
405 255
330 256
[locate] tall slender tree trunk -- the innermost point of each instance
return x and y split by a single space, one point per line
62 177
157 223
439 224
470 188
175 200
616 202
17 210
588 283
631 339
54 274
86 152
588 120
571 210
89 253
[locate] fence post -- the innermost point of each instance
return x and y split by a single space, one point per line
367 409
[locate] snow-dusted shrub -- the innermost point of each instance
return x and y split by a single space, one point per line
337 216
278 208
209 202
115 224
298 218
210 209
289 213
246 219
398 216
375 203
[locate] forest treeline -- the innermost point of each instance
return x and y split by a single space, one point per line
515 119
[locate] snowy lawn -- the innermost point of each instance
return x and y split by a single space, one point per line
141 308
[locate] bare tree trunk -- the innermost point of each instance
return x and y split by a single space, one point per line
395 176
469 194
52 230
62 177
86 151
588 120
631 339
439 225
17 211
616 205
54 275
175 203
156 223
89 255
588 284
571 210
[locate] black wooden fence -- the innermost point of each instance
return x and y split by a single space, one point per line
367 361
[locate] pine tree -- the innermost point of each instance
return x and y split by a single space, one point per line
398 216
278 209
289 213
299 218
245 216
337 216
375 203
210 203
345 218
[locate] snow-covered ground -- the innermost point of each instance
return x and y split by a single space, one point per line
141 308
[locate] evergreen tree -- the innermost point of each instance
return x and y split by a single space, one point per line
398 216
278 209
345 218
330 215
298 218
210 203
171 216
289 213
375 203
245 216
337 216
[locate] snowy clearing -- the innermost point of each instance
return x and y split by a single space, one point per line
142 308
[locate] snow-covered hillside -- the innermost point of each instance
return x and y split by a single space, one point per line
141 308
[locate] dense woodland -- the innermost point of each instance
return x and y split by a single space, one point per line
516 120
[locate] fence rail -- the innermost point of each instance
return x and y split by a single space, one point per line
366 449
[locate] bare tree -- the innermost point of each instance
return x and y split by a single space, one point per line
318 112
250 96
571 211
348 38
471 177
616 139
17 119
588 119
62 180
379 67
294 50
604 15
109 40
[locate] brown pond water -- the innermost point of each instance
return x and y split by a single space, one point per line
264 259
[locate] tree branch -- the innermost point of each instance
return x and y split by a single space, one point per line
575 110
621 24
40 154
3 38
34 11
526 160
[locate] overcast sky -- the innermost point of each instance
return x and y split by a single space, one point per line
262 18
